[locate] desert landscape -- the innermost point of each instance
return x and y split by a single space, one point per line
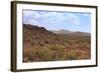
41 44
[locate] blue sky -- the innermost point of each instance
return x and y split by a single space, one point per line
52 20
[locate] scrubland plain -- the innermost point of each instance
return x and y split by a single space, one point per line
40 44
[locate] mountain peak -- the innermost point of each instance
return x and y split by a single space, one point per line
61 31
33 27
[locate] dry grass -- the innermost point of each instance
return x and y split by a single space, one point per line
46 46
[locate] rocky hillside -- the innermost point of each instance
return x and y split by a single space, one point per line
39 44
34 35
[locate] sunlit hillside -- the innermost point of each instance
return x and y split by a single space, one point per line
40 44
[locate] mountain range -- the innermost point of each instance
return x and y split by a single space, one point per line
68 32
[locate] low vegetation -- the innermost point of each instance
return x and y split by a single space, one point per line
43 45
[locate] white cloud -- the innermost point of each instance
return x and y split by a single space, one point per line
72 18
39 17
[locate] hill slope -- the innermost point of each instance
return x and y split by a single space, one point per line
39 44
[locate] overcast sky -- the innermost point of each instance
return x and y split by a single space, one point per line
52 20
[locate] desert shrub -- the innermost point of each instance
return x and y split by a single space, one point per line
71 55
41 54
45 54
54 48
41 44
46 42
57 47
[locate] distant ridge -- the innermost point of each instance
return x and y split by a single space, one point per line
63 31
